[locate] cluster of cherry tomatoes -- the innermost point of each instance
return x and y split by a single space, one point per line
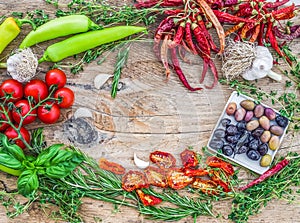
22 104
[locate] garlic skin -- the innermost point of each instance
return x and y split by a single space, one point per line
140 163
261 66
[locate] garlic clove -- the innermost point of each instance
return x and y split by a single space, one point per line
140 163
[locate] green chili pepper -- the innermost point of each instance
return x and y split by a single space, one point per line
85 41
62 26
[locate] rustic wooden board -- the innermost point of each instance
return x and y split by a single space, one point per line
149 113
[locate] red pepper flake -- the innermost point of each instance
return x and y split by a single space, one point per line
147 199
111 166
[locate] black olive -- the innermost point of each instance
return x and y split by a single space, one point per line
257 132
232 139
253 154
225 122
281 121
216 144
241 126
219 133
254 143
263 149
242 149
231 130
227 150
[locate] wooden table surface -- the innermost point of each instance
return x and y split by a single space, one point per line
149 113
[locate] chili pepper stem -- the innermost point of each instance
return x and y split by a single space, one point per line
20 22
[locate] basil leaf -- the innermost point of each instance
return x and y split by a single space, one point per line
65 165
28 182
45 157
12 149
9 161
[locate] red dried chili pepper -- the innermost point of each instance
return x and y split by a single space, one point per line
272 5
260 36
189 158
202 42
247 27
179 72
150 3
147 199
209 38
228 18
234 28
293 35
163 159
178 36
206 186
214 161
164 27
275 169
188 37
156 176
255 34
284 13
134 180
177 179
111 166
164 55
232 2
174 11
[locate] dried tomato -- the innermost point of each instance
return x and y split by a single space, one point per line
163 159
195 172
134 180
189 158
147 199
206 186
177 179
156 176
213 161
111 166
219 181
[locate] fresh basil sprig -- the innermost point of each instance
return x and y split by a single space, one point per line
55 162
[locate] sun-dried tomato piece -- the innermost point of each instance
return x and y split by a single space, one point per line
206 186
111 166
163 159
195 172
189 158
156 176
215 176
213 161
177 179
134 180
147 199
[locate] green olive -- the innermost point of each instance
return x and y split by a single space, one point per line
266 160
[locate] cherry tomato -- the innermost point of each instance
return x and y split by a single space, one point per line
56 77
37 89
12 134
11 88
111 166
156 176
65 97
3 117
189 158
21 109
134 180
177 179
163 159
48 112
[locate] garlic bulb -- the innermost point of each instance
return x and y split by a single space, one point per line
261 66
140 163
22 65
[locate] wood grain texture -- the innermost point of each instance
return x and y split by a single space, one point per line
149 113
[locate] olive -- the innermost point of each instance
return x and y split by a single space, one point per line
266 160
270 113
253 154
263 149
257 132
276 130
216 144
232 139
248 104
259 110
249 115
239 114
241 126
254 143
242 149
231 108
231 130
282 121
225 122
253 124
227 150
219 133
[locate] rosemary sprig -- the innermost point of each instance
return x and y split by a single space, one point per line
120 63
